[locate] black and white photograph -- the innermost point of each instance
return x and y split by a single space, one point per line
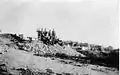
59 37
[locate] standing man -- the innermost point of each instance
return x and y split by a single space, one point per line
53 36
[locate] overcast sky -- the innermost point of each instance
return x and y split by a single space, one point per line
92 21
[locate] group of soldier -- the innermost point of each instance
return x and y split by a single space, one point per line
48 37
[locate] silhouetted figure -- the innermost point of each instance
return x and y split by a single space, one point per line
39 34
21 36
49 34
53 37
30 39
45 32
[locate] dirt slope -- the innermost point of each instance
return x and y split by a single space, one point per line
21 59
14 61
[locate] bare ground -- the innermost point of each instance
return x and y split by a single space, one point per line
13 61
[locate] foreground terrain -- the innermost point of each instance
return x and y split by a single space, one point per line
36 58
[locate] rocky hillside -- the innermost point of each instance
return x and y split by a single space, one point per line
23 57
